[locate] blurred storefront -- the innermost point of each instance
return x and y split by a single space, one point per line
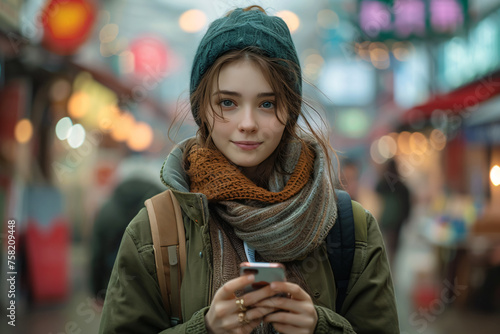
66 132
442 130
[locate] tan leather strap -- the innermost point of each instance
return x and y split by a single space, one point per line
175 282
169 243
180 233
158 255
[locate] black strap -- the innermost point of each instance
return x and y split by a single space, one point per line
341 246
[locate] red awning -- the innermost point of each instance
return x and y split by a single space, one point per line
463 98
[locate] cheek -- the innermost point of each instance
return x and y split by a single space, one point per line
221 129
276 127
274 131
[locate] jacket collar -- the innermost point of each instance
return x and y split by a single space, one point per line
194 205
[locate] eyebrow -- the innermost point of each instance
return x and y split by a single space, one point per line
228 92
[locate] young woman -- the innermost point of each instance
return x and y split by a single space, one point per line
253 186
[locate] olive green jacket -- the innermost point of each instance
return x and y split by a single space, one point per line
134 302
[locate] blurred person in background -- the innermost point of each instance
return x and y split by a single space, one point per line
350 179
487 296
396 205
111 220
254 185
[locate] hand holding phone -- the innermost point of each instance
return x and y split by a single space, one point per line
265 273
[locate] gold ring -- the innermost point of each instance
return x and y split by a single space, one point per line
242 319
241 304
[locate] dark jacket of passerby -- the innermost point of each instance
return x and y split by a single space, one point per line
396 204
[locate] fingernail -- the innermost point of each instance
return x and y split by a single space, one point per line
251 277
273 286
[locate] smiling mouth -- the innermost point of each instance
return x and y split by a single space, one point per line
247 145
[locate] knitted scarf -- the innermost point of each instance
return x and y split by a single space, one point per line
282 224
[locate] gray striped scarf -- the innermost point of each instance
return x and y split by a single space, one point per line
288 230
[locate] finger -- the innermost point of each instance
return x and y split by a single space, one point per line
256 296
284 328
278 303
245 326
227 290
287 304
258 313
296 320
295 291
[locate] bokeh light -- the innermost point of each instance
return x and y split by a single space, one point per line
362 49
315 59
313 64
151 57
192 20
495 175
23 131
76 136
353 122
107 117
108 33
387 147
60 90
328 19
141 137
82 79
78 104
123 126
437 139
126 62
402 50
63 128
68 20
291 19
418 143
375 153
404 142
379 55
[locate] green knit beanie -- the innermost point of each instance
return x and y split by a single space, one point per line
237 31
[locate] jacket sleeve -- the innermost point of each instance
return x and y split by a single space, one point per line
133 301
370 305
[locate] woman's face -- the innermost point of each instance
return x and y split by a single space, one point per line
249 131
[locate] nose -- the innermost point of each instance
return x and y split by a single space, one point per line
248 122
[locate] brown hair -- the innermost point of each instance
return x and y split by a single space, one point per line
281 75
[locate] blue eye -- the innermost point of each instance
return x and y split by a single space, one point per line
267 105
227 103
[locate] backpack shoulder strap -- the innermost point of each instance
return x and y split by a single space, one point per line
360 226
341 246
169 244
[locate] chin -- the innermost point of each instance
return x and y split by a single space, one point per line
246 165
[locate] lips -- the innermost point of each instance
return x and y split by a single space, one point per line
247 145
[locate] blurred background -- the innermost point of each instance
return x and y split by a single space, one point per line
89 90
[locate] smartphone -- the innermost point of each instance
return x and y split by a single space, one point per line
265 273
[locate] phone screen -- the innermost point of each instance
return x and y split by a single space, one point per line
264 272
